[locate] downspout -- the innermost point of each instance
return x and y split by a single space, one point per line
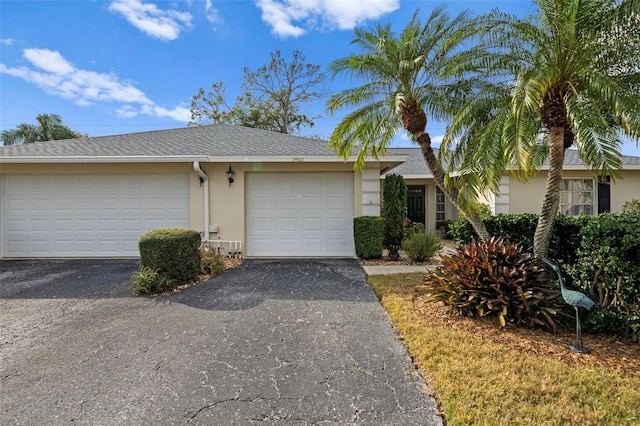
205 181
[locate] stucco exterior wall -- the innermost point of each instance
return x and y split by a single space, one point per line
625 189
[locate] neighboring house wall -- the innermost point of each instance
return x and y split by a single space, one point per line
626 189
526 197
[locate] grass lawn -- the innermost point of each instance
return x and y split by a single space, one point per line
482 375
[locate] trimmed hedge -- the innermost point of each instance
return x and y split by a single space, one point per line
520 229
608 269
368 235
173 252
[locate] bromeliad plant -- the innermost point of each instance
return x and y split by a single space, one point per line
496 278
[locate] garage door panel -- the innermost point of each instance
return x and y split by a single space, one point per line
339 203
89 214
338 224
337 245
314 245
286 245
310 224
287 224
314 203
308 206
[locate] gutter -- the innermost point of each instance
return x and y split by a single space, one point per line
205 180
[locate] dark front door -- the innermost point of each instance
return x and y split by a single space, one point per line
604 194
415 204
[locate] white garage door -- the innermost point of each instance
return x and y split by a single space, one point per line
299 214
88 215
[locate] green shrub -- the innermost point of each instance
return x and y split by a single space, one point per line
418 228
173 252
494 278
395 206
566 238
150 281
211 263
520 229
411 228
480 209
460 231
608 268
632 206
604 321
368 235
421 246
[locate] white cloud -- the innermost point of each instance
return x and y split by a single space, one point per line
6 41
127 111
292 18
148 18
210 12
48 60
57 76
178 113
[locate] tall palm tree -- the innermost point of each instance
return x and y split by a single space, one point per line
404 77
567 76
49 127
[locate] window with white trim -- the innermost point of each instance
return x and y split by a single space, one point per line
440 208
577 196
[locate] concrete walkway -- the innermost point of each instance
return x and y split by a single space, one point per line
396 269
405 269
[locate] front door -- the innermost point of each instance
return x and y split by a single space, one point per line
415 204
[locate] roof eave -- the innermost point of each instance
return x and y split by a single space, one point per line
386 161
101 159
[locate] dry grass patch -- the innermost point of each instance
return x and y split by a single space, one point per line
483 375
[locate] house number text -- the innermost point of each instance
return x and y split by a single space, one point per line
298 159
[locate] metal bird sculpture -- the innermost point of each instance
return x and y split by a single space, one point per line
577 300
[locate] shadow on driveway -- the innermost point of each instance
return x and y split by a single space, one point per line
66 279
244 287
257 280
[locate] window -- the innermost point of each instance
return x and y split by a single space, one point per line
440 208
577 197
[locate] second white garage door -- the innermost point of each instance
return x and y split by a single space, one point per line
299 215
89 215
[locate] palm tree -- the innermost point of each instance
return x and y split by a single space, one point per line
49 128
569 75
405 77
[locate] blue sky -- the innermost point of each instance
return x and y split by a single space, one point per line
124 66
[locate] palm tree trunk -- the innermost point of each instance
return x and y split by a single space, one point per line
544 229
424 140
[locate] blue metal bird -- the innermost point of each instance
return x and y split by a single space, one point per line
577 300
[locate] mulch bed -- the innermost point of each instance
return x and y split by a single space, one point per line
448 248
608 351
613 352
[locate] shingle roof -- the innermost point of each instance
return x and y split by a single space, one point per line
416 166
571 158
209 141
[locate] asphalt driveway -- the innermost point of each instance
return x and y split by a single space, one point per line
271 342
